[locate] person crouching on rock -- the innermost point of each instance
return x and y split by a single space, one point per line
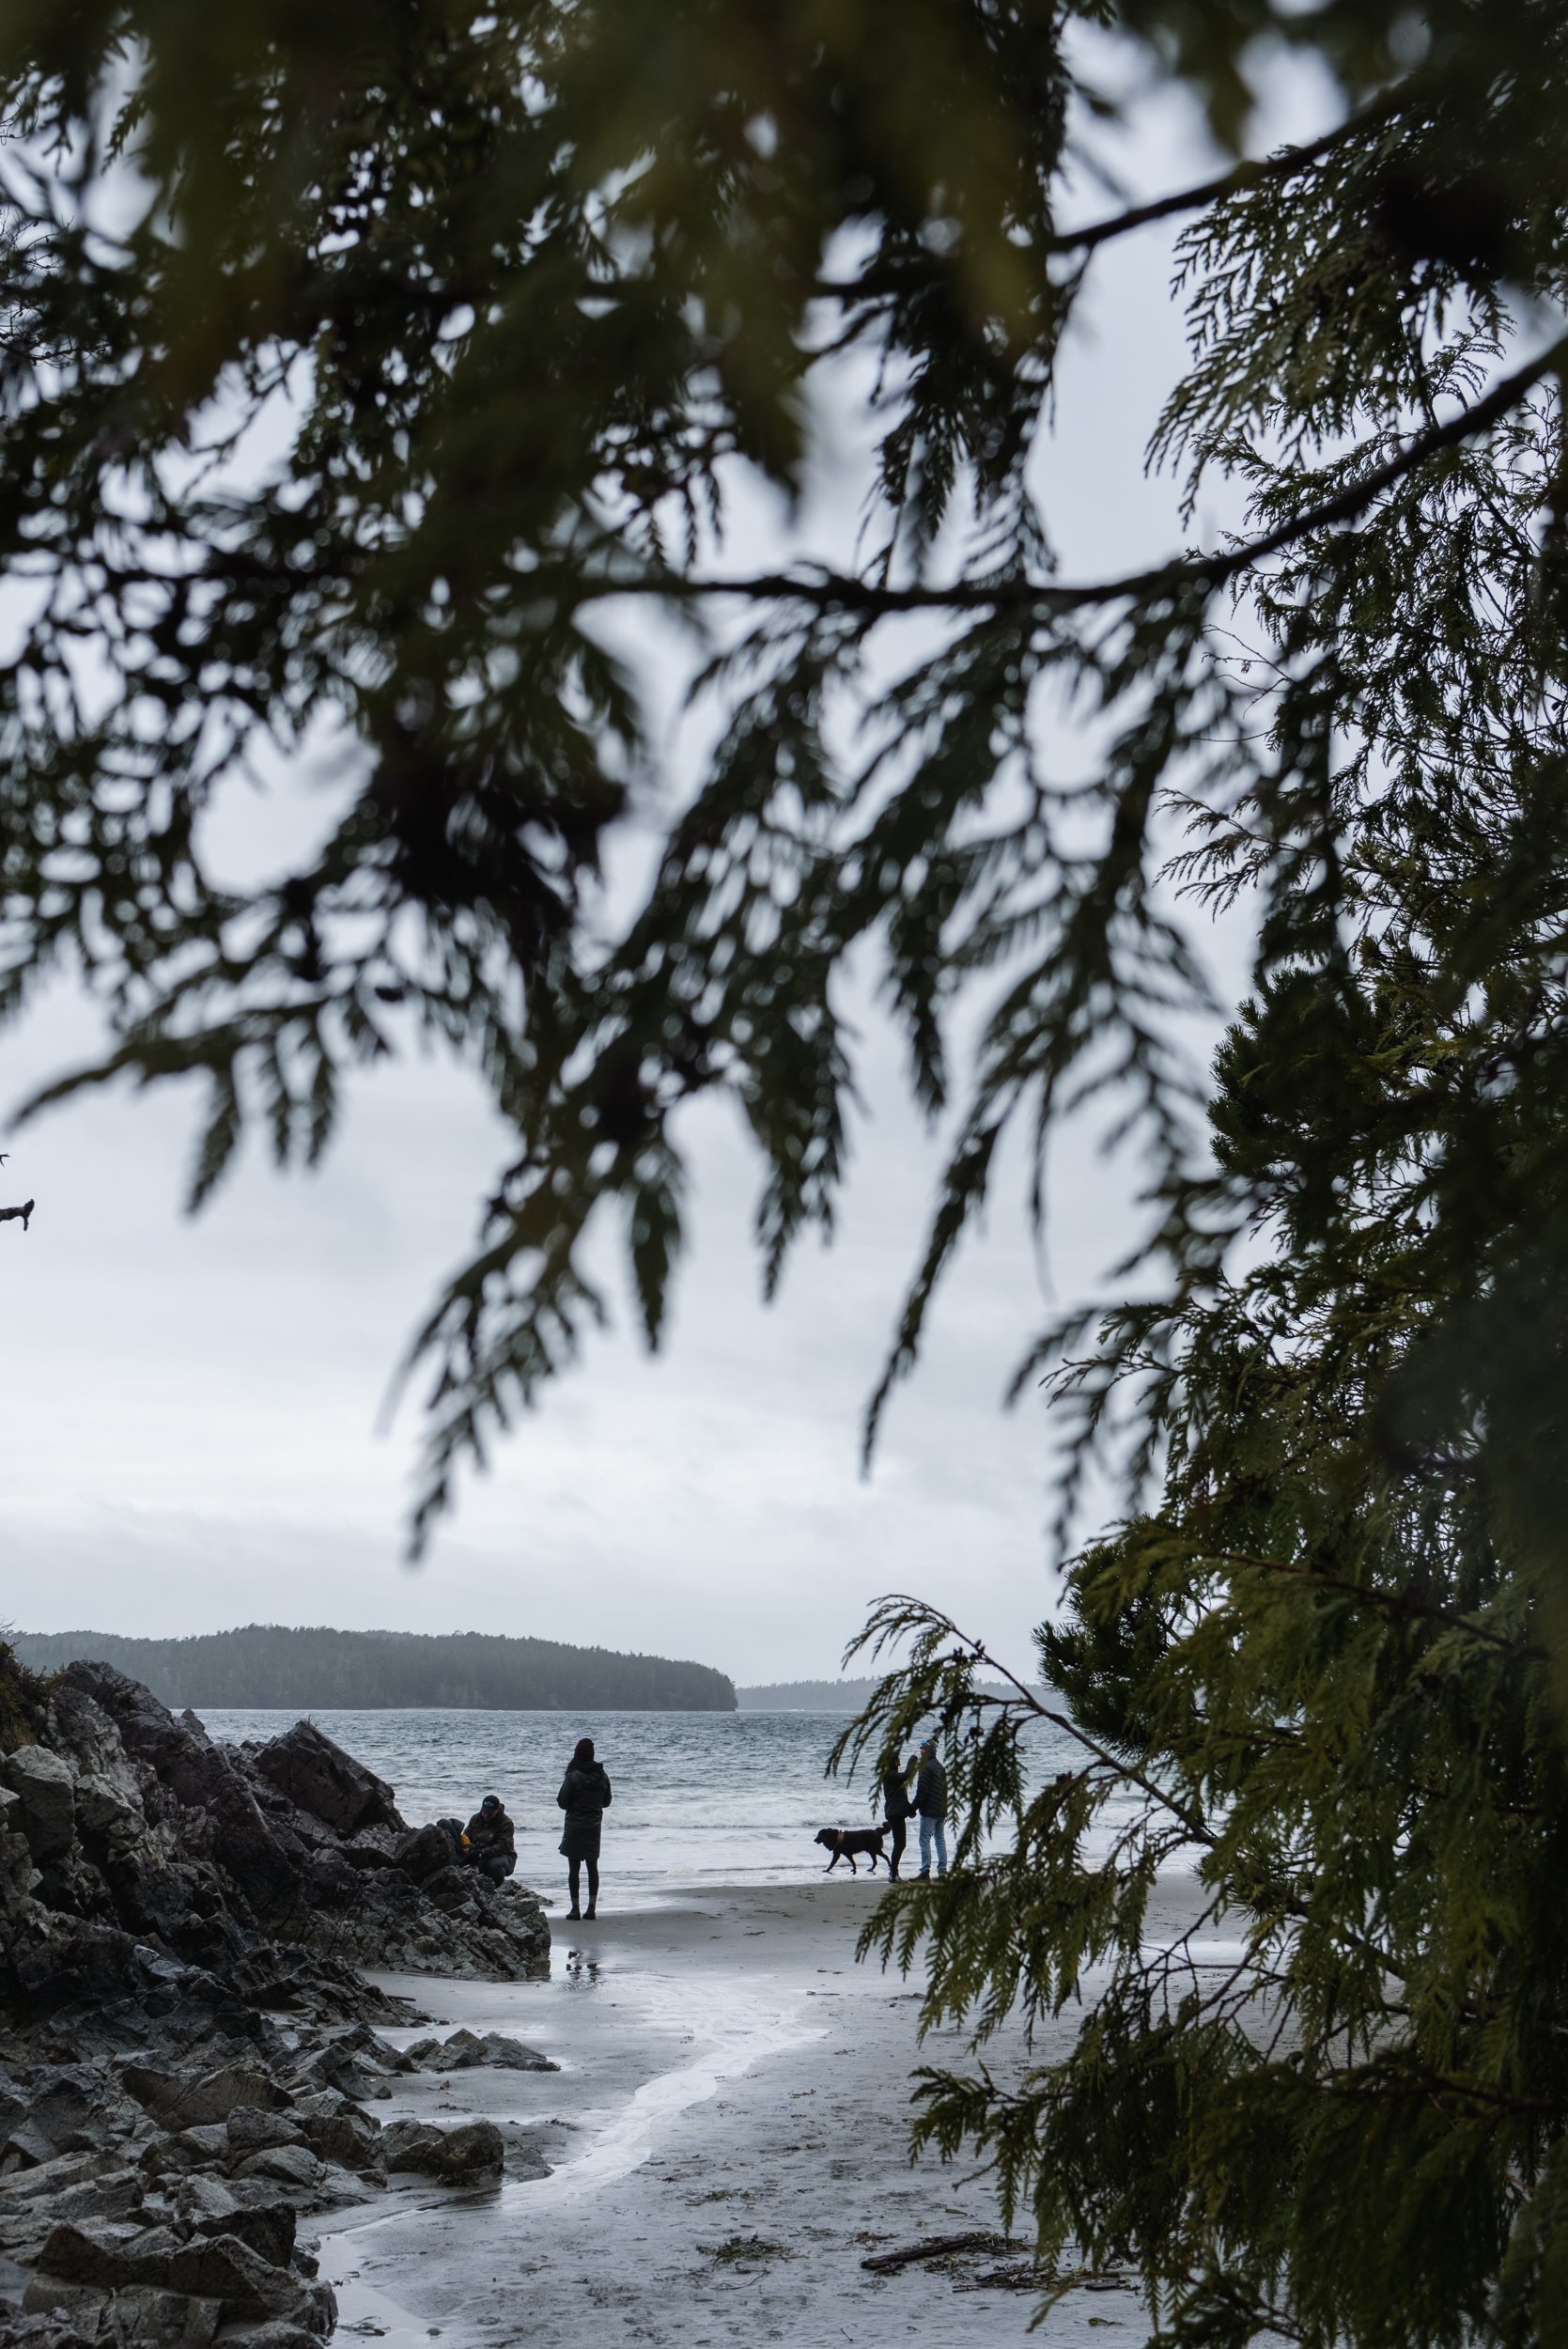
490 1841
584 1797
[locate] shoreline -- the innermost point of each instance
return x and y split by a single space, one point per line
727 2140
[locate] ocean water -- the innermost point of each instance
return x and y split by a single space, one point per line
722 1797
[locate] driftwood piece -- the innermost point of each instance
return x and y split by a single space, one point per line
1023 2276
935 2247
13 1215
1019 2275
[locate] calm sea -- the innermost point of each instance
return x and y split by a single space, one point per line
729 1797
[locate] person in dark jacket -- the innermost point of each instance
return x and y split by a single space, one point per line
490 1841
584 1797
931 1803
897 1810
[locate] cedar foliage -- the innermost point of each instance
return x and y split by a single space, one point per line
531 291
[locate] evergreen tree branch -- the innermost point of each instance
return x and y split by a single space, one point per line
837 591
1398 1604
1242 176
1249 173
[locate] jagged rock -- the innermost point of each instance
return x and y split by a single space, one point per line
203 1779
349 2138
473 2149
251 2130
451 1889
225 2269
190 1844
113 2194
423 1852
147 2319
45 1789
25 2144
102 1809
71 2110
288 2165
135 2316
268 2228
77 2309
373 1850
318 1777
204 2202
49 2180
45 2330
106 2253
334 2070
465 2050
182 2100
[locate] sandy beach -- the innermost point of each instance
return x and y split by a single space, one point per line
727 2142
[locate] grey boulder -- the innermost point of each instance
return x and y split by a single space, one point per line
286 2165
475 2149
224 2268
251 2130
185 2100
45 1789
107 2253
465 2050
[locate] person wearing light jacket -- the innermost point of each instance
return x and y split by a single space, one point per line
931 1803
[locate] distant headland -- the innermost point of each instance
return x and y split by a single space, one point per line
267 1666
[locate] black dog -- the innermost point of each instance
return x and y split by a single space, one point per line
844 1841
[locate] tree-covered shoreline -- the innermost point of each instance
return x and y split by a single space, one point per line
267 1665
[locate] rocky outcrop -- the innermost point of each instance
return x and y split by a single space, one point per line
185 1843
185 2043
318 1777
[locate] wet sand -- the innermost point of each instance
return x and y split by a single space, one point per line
728 2139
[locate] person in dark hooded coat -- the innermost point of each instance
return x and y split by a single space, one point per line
584 1797
490 1841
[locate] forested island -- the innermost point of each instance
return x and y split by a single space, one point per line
267 1665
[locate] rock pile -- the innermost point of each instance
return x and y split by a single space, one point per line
185 2050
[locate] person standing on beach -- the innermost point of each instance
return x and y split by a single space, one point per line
584 1797
896 1809
931 1803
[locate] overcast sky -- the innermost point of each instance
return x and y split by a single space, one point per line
190 1410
